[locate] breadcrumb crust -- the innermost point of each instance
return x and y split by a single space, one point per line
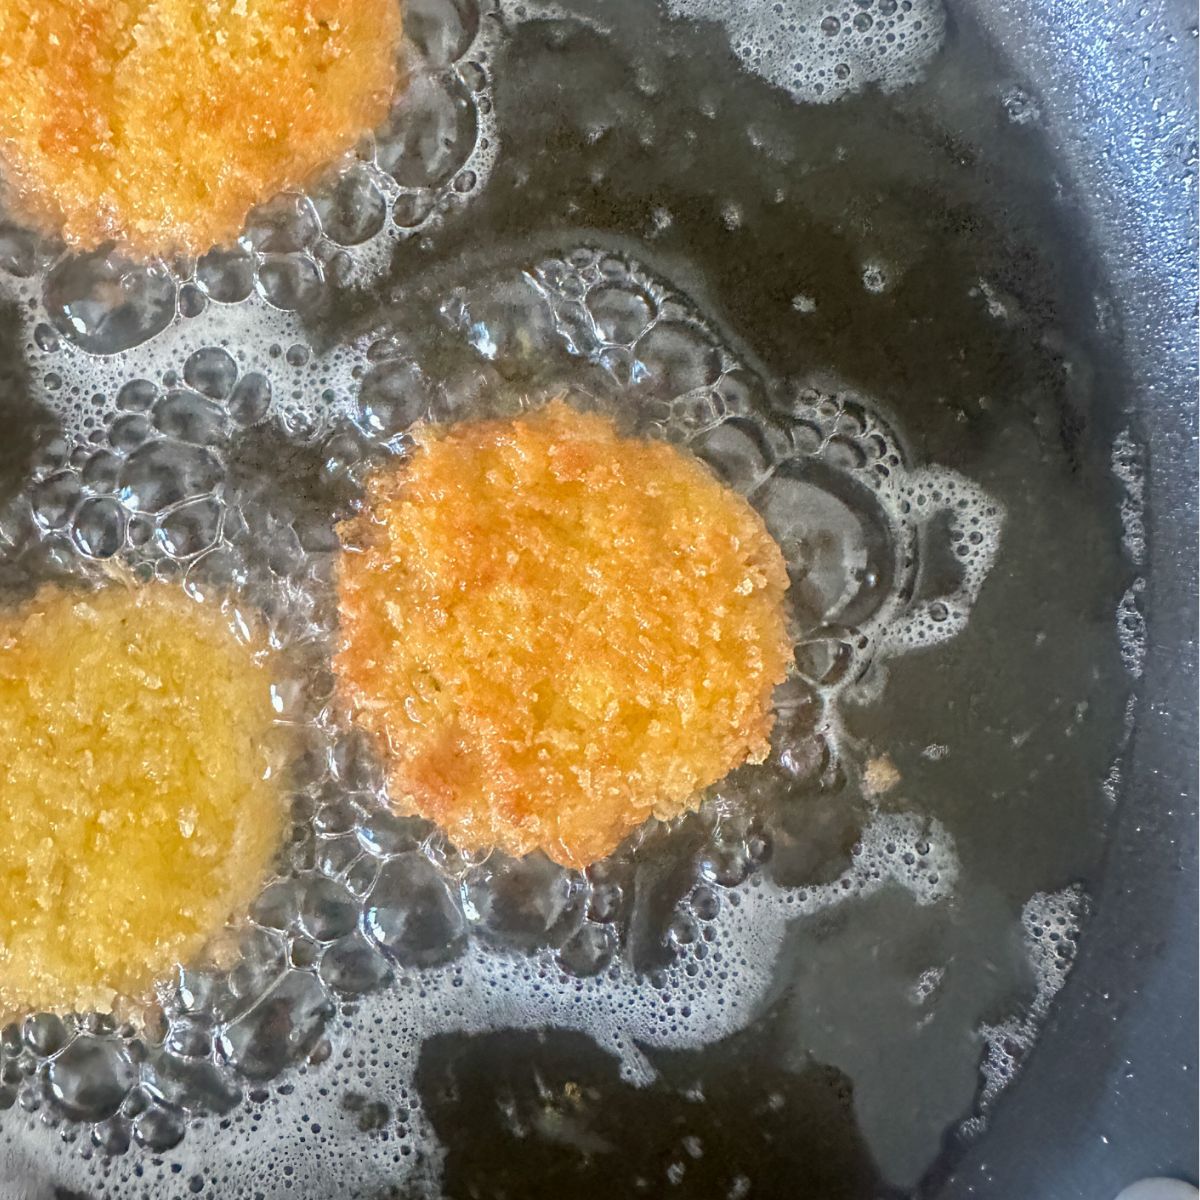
136 802
555 632
160 123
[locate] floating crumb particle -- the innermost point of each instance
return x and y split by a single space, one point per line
879 776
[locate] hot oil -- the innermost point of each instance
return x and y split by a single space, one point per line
864 305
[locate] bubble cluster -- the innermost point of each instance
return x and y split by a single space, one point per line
1129 466
848 486
1051 923
1131 628
819 51
150 483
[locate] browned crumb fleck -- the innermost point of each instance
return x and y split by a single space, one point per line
879 776
160 123
556 632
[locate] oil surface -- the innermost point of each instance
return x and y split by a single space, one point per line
793 992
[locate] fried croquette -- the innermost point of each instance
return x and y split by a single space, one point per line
160 123
555 632
139 804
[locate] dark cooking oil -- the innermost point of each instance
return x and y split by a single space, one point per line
821 983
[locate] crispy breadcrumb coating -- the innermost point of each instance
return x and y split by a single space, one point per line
137 801
555 632
160 123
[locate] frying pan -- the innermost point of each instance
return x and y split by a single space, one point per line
1120 90
1103 190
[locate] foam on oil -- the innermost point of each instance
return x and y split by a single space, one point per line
819 51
